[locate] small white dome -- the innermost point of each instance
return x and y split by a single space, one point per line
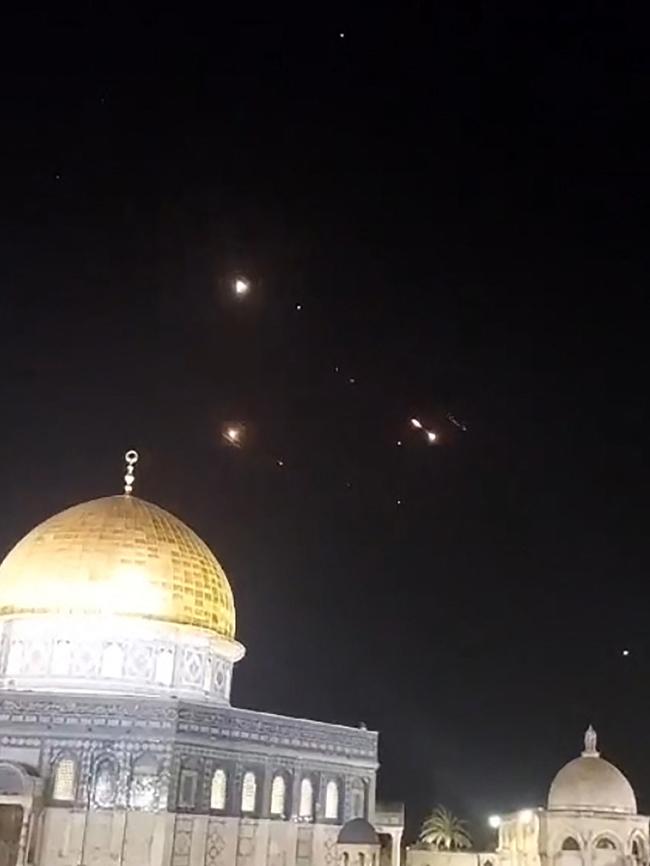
591 784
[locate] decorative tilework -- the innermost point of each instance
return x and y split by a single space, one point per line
215 843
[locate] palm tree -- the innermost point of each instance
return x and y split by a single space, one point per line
444 831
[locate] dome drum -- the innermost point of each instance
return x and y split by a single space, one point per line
114 655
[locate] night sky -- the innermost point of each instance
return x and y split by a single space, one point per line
447 205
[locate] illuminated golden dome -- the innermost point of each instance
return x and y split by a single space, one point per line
118 555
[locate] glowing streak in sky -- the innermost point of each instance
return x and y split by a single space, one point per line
233 434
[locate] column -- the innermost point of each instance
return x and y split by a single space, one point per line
396 854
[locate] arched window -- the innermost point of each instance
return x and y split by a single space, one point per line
248 792
638 851
188 783
570 844
332 800
112 660
144 782
306 809
61 658
346 858
12 781
15 657
606 843
105 783
362 859
278 793
218 790
207 674
164 667
65 780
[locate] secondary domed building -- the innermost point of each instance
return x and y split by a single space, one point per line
118 743
590 819
358 844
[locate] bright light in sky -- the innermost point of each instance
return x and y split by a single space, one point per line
494 821
431 436
242 286
415 422
233 434
525 816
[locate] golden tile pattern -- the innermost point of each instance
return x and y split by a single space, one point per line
118 555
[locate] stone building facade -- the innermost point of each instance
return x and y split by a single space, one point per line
590 819
118 744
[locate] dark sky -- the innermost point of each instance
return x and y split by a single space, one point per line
457 195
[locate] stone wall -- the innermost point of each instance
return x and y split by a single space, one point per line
417 856
106 838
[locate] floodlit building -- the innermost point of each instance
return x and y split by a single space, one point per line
118 743
590 819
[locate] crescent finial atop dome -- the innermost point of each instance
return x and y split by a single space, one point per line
131 458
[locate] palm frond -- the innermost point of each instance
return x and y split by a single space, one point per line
444 831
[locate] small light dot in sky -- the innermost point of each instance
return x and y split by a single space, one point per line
299 307
625 652
341 35
351 380
241 286
280 462
399 501
399 442
57 177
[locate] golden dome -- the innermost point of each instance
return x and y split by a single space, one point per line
118 555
